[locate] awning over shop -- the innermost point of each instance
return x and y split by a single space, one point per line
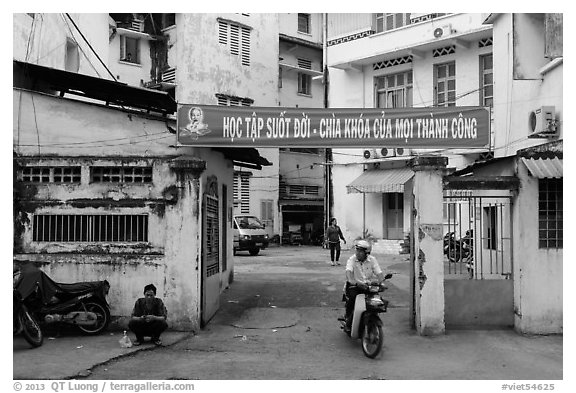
381 180
544 168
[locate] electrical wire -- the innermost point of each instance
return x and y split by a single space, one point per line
80 46
114 144
90 46
99 141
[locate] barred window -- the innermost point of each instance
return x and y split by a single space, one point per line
550 217
37 174
121 174
90 228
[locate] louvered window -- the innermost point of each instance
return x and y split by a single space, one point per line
227 100
242 191
305 63
236 38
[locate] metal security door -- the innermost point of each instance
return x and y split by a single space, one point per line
210 259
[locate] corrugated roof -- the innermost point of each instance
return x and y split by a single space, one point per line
544 168
381 180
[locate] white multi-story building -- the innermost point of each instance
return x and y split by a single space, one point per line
510 63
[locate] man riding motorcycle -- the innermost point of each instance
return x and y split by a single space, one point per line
361 270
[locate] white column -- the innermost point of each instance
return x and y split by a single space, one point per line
428 245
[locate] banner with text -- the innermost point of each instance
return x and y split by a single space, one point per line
230 126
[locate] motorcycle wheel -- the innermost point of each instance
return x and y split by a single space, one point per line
372 340
30 328
103 315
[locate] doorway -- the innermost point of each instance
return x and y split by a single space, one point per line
394 213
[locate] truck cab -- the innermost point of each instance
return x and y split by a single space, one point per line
249 234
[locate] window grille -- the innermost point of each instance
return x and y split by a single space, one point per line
115 174
448 50
486 80
90 228
304 23
550 213
236 38
394 91
212 232
392 62
445 84
33 174
485 42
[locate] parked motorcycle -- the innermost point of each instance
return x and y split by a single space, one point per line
366 323
459 249
23 321
81 304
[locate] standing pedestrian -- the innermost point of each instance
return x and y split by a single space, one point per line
334 234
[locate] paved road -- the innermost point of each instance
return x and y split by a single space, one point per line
278 321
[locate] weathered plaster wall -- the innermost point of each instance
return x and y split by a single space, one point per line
113 137
538 289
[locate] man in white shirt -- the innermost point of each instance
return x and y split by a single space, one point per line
361 270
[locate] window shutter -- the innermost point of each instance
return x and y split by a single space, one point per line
245 46
234 40
222 32
305 63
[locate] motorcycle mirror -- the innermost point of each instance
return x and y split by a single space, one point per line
388 276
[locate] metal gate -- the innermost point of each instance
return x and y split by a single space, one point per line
478 260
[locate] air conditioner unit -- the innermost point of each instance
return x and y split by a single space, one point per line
442 31
371 154
542 123
402 152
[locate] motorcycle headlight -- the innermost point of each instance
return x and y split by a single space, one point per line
246 237
375 302
266 236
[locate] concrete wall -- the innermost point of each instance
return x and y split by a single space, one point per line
538 273
288 93
42 40
205 67
112 137
289 26
519 55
